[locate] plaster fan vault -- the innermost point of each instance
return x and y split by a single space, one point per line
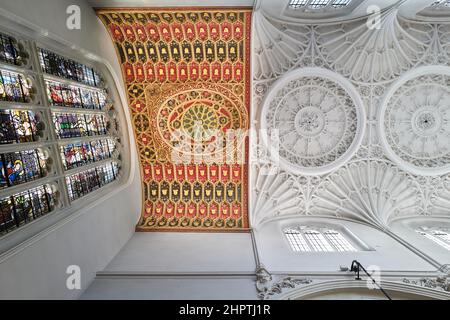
362 115
187 72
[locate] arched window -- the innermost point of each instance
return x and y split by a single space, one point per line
315 239
59 135
438 236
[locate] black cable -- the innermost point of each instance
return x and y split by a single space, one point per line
360 266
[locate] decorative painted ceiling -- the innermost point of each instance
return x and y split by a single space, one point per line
324 86
359 108
187 73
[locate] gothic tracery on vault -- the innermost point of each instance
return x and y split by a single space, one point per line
318 118
415 121
401 167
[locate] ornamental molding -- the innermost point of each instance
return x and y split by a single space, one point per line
393 286
365 190
350 48
414 124
440 282
285 287
318 117
269 286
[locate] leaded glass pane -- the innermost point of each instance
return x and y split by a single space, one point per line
338 241
317 241
296 240
20 167
9 50
13 87
60 66
7 130
15 168
24 207
82 183
17 126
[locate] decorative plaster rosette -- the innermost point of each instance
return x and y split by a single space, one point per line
415 121
319 117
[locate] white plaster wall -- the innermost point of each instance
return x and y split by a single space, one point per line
387 253
91 237
155 265
89 241
214 288
185 252
405 229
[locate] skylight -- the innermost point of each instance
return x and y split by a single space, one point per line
318 4
442 3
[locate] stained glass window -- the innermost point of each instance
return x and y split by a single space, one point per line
18 126
75 97
14 168
87 97
70 125
78 104
3 175
25 125
7 131
60 66
9 50
24 207
78 154
14 87
20 167
306 239
95 124
7 221
102 149
82 183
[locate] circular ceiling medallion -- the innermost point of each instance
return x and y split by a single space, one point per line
415 121
315 121
196 121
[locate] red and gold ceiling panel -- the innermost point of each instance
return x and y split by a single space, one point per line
187 73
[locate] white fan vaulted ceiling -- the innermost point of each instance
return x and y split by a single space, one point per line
397 119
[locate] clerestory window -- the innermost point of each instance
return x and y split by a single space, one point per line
312 239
